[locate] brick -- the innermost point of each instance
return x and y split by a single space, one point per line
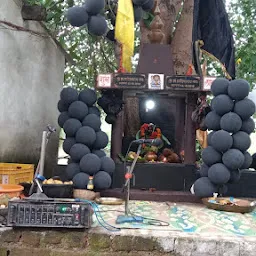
184 246
3 251
31 238
122 243
10 236
228 248
248 249
205 248
74 240
99 241
143 244
29 252
165 244
52 238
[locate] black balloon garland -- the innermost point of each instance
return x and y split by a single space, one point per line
231 124
90 14
80 120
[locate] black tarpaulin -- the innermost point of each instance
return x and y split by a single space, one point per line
211 25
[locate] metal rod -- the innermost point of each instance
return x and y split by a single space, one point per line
128 181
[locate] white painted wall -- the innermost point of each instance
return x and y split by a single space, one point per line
31 77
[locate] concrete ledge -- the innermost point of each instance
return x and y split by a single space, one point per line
124 243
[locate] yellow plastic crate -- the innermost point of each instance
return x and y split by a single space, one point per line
16 173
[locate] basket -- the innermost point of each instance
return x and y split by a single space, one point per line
16 173
85 194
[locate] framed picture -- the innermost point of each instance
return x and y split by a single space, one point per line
104 81
156 81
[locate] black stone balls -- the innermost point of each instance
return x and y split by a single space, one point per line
94 7
149 5
94 110
61 106
88 96
248 126
63 117
68 95
210 156
231 122
238 89
86 135
203 187
247 160
71 126
101 140
68 143
71 170
78 110
209 138
138 13
241 141
90 164
222 104
80 180
102 180
234 176
219 174
220 86
107 164
78 151
244 108
221 141
92 121
233 159
98 152
77 16
212 121
97 25
204 170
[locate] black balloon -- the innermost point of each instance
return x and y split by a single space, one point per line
221 141
203 187
210 156
241 141
234 176
247 160
219 86
92 121
140 2
102 180
219 174
90 164
233 159
88 96
98 152
138 13
107 164
238 89
71 126
244 108
204 170
68 143
68 95
77 16
101 140
61 106
97 25
248 126
94 110
78 151
86 135
209 138
222 104
80 180
63 117
78 110
94 7
212 121
231 122
71 170
149 5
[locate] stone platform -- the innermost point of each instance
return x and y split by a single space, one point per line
193 231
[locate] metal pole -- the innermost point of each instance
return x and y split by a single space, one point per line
128 181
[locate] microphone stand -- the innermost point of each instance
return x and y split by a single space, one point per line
128 218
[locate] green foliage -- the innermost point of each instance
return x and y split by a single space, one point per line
242 15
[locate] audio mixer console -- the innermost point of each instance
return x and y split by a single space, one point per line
54 214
